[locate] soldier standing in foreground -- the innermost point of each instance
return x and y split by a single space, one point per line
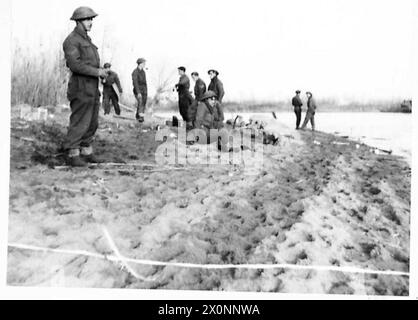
310 113
83 60
139 80
185 98
297 104
216 85
109 93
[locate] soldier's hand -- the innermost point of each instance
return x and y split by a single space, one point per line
102 73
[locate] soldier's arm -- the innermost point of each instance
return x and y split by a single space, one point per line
135 82
183 81
200 114
73 58
221 91
196 91
221 116
118 83
202 88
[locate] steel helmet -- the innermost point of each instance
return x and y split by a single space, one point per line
83 13
107 65
208 94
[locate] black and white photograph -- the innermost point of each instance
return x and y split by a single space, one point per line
211 146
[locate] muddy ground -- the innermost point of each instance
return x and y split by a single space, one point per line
317 200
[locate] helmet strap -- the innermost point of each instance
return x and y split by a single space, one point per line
82 25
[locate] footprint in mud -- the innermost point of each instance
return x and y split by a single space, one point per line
372 250
400 257
301 256
309 237
327 226
391 215
334 262
340 288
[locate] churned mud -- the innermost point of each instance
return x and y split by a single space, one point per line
316 200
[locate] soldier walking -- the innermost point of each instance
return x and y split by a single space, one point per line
139 80
310 113
297 104
82 58
216 85
185 98
109 93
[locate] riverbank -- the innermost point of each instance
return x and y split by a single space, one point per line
317 200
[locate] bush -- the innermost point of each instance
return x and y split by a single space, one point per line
38 79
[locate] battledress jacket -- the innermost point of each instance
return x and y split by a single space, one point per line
109 81
82 58
311 105
217 86
139 80
199 89
208 117
297 102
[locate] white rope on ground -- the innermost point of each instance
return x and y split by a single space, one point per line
212 266
121 259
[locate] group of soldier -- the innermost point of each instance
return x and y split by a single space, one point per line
310 111
203 111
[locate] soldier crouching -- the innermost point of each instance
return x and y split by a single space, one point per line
209 118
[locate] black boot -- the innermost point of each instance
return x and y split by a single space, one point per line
76 161
91 158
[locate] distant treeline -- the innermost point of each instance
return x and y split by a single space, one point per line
324 105
41 80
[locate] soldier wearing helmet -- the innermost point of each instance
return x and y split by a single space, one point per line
209 118
109 93
82 58
209 113
139 81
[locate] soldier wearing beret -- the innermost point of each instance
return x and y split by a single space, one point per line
139 80
82 58
109 93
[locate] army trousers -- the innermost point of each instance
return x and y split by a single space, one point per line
84 121
185 100
191 114
141 99
310 116
298 113
110 96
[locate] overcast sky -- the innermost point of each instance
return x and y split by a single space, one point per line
348 49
